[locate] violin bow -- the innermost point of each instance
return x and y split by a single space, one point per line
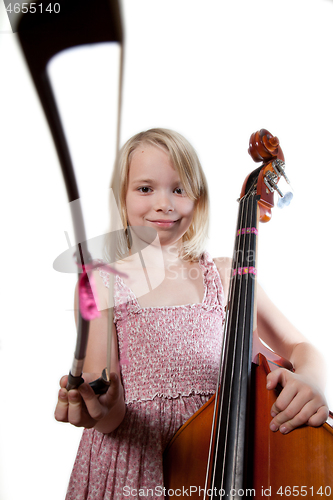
42 35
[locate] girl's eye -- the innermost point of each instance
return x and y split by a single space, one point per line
144 189
180 191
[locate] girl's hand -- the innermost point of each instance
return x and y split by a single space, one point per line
83 408
300 402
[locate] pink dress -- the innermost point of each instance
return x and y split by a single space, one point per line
169 360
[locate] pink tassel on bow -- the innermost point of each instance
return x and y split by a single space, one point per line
87 290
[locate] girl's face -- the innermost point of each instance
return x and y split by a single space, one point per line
155 196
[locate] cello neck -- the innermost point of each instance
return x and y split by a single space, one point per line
229 452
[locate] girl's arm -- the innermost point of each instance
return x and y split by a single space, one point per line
81 407
302 399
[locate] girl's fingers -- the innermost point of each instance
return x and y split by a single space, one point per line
82 407
293 416
74 407
319 417
99 406
113 392
63 381
274 377
307 414
299 402
77 412
94 407
61 411
284 399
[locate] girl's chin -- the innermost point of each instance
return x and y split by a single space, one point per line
165 235
167 242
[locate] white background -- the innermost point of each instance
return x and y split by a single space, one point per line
216 71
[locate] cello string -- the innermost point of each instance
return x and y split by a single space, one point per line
231 302
243 338
243 246
221 378
245 352
240 308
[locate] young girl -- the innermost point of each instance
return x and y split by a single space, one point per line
169 339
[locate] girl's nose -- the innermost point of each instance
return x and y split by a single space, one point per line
164 203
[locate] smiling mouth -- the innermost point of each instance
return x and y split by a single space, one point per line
161 222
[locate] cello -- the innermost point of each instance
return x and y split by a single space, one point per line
226 449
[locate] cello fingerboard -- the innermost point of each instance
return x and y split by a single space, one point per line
228 455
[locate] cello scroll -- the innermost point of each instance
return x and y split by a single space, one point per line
266 148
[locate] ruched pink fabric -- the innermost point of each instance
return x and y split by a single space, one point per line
169 362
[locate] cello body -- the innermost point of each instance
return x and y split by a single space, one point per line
295 464
227 449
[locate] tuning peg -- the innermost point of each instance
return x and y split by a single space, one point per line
271 179
285 200
279 167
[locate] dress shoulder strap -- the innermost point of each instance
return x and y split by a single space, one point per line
212 281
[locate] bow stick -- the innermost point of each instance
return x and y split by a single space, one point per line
42 35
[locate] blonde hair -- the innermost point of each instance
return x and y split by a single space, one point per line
187 165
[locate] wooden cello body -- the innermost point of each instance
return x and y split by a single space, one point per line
227 449
297 464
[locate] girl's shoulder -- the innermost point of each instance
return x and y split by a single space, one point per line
224 265
223 262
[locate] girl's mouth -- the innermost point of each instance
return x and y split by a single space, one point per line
163 222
